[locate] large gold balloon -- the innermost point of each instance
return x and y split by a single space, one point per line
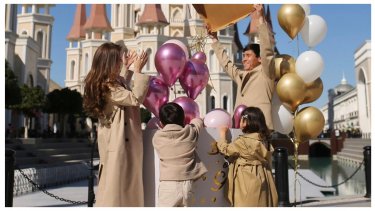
313 90
284 64
291 90
291 18
309 123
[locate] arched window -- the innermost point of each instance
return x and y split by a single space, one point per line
212 60
86 63
212 102
30 81
149 62
225 103
39 40
72 66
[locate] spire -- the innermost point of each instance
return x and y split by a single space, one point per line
98 20
268 17
77 32
343 80
152 14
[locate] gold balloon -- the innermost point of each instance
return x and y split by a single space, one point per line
284 64
313 90
308 124
291 90
291 18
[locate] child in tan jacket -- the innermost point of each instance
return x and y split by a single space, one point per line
180 165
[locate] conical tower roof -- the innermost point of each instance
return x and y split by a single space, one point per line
98 20
152 14
77 32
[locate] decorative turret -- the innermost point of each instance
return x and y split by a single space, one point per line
152 16
98 22
77 31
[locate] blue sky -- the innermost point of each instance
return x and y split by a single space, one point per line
349 25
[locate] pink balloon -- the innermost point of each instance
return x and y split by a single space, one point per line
237 115
181 44
170 61
195 78
218 118
200 56
190 108
157 95
154 123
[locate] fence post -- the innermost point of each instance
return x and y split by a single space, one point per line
367 163
281 176
91 194
9 176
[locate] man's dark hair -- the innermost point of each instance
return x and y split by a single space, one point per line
172 113
253 47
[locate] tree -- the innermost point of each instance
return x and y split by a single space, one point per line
64 103
33 100
12 90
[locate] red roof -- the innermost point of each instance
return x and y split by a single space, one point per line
77 32
152 14
98 20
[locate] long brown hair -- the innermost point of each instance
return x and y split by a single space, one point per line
104 71
256 122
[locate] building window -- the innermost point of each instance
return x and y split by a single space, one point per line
149 62
212 102
72 64
211 59
86 63
225 103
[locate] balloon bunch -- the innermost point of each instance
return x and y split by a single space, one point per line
172 63
299 81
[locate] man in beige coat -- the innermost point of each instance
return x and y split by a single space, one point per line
256 81
120 142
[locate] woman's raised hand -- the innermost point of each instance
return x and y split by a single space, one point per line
140 62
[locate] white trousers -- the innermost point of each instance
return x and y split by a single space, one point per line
175 193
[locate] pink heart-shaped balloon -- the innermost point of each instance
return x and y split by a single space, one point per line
157 95
194 78
170 61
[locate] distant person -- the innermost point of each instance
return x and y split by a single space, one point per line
250 180
108 98
256 80
180 165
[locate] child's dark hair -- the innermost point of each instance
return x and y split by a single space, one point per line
256 123
172 113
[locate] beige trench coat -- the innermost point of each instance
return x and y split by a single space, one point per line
258 84
250 180
121 147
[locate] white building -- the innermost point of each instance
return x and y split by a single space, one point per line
348 107
147 27
28 49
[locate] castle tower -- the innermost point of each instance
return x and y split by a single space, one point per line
74 51
123 19
10 32
35 29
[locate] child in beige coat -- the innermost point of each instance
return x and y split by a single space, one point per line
179 163
250 181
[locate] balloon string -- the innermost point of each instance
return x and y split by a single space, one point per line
297 45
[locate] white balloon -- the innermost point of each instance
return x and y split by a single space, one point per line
314 30
282 118
181 44
218 118
306 7
309 66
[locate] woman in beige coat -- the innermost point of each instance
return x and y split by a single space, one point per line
250 181
108 98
